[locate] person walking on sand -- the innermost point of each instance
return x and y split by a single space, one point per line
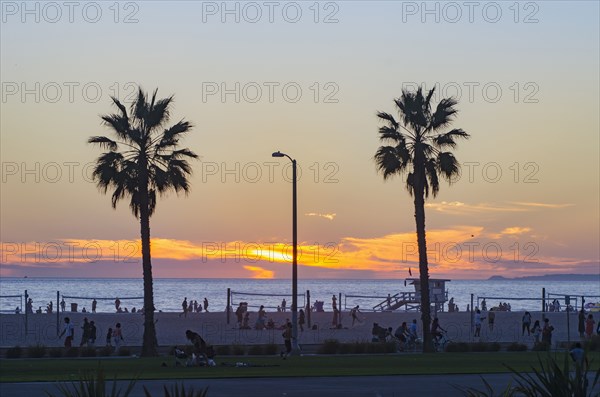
287 339
94 305
184 307
283 305
206 305
526 323
117 335
118 305
69 332
589 326
109 337
581 323
491 318
92 334
239 314
536 331
85 336
547 332
478 319
301 320
63 305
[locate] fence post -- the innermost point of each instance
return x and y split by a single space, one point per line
228 309
543 300
307 308
57 312
340 305
26 312
471 317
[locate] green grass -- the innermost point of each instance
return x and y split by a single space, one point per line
64 369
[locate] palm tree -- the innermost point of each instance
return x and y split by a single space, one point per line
419 151
142 161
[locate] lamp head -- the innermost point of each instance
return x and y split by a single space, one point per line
278 154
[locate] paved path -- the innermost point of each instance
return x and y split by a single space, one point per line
359 386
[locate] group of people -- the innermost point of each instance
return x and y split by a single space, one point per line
89 334
193 306
585 325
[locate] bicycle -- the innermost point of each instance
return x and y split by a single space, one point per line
440 343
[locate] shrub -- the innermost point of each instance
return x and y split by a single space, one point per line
271 349
329 346
452 347
88 352
493 347
92 384
105 351
72 352
180 391
255 350
345 348
14 352
124 352
223 350
36 351
478 347
516 347
56 352
238 350
360 347
541 347
593 344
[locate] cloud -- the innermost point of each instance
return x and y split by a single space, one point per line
259 272
326 216
515 231
460 208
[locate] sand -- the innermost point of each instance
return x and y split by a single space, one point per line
171 327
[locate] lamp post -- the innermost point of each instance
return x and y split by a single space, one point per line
295 348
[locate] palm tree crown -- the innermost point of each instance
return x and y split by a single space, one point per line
417 141
149 152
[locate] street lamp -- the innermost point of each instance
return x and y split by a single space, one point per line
295 348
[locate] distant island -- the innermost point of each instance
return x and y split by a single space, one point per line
551 277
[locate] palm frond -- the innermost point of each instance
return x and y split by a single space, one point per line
104 142
389 118
443 113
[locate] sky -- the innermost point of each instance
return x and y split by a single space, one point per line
306 78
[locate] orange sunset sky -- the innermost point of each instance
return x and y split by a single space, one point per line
309 84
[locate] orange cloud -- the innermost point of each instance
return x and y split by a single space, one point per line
259 272
326 216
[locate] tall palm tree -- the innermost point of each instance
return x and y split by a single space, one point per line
419 151
142 161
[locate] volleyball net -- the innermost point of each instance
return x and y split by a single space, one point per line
11 303
102 304
269 301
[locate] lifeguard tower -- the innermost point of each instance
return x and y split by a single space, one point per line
411 300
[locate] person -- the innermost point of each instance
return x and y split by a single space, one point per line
589 326
547 332
94 305
63 305
389 301
206 305
413 330
184 307
246 322
109 337
491 318
92 334
478 319
376 332
260 321
526 323
283 305
239 314
49 308
17 310
200 346
354 314
68 331
336 313
578 356
117 335
118 305
301 319
436 329
287 339
84 310
85 336
581 323
484 305
401 334
29 306
536 331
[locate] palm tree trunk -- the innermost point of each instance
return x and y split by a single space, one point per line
149 343
419 201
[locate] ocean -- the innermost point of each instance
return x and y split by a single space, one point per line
169 293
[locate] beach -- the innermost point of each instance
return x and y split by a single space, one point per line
171 327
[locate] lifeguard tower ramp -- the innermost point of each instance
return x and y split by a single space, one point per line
411 300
